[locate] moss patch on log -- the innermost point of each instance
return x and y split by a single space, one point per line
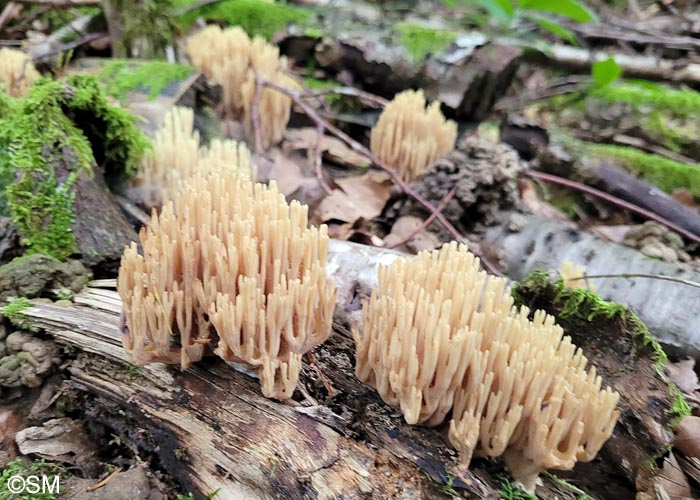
256 17
572 306
121 76
663 172
420 41
67 123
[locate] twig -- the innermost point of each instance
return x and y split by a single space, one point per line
7 12
352 92
443 203
636 275
256 112
318 158
104 481
133 210
297 97
614 200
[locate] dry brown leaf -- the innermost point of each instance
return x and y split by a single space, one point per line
683 375
611 233
537 206
332 149
688 437
361 196
286 171
404 227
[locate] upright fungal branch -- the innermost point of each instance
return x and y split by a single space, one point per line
231 257
410 136
17 72
230 58
177 156
440 336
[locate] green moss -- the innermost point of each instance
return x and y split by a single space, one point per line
588 305
663 172
58 123
147 27
420 41
509 491
13 312
121 76
256 17
643 94
37 468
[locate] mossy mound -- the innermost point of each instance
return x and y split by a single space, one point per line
256 17
420 41
121 76
58 132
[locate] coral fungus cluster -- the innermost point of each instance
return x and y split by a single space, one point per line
232 59
439 337
230 257
17 72
177 156
409 136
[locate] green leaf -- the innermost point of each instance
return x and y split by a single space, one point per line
504 10
606 71
570 9
553 27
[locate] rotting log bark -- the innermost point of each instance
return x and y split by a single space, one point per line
668 309
467 78
212 429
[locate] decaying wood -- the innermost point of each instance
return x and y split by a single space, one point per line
467 78
668 309
618 182
633 66
212 429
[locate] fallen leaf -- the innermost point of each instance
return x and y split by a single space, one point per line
361 196
615 233
332 148
532 201
403 228
688 437
286 171
683 375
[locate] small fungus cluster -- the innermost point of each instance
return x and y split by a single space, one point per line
232 264
441 338
17 72
230 58
409 136
177 156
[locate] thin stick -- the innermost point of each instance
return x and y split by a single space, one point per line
297 97
352 92
318 159
104 481
7 12
614 200
636 275
443 203
256 112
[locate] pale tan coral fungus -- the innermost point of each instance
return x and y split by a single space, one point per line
573 276
231 58
177 156
439 336
17 72
409 136
234 257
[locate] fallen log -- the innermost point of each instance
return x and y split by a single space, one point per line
212 430
669 309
